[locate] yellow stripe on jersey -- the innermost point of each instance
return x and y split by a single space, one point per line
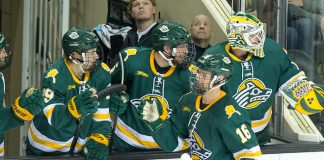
47 143
48 111
41 142
2 149
248 153
102 115
227 48
259 125
76 80
136 139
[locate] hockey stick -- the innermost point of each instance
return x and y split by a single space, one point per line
116 88
114 117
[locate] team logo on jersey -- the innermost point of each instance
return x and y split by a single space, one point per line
142 73
154 97
130 52
230 110
251 93
186 109
197 147
51 74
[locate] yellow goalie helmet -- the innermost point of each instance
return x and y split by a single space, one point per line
245 32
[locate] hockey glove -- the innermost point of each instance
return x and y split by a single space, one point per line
152 113
304 96
118 103
96 147
30 103
83 104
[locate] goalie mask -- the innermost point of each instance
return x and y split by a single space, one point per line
245 32
213 70
173 43
80 46
5 52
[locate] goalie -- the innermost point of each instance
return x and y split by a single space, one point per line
262 68
215 126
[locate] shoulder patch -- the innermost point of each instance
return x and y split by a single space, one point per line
51 74
105 67
230 110
185 109
131 51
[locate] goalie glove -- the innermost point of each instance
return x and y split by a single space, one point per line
152 113
30 103
304 96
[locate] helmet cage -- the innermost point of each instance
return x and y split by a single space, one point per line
5 52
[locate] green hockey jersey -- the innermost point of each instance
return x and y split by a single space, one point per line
255 81
145 82
52 131
7 118
221 130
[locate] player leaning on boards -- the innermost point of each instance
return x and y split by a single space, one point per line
69 101
261 68
156 73
217 128
30 103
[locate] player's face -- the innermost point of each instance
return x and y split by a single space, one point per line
90 58
143 10
3 56
203 79
179 53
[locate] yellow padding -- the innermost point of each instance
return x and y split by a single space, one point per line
20 112
311 103
73 109
99 138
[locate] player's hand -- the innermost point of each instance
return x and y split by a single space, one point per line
118 103
95 151
83 104
30 103
151 112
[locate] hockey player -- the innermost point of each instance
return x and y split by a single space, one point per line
70 101
217 128
30 103
261 68
152 74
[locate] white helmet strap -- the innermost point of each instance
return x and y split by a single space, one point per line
169 60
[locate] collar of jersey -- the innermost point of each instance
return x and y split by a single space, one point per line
86 77
168 73
198 102
227 48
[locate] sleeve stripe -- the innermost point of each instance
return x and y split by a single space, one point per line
246 153
48 111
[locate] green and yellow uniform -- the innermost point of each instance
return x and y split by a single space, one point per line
255 81
220 130
52 131
144 81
